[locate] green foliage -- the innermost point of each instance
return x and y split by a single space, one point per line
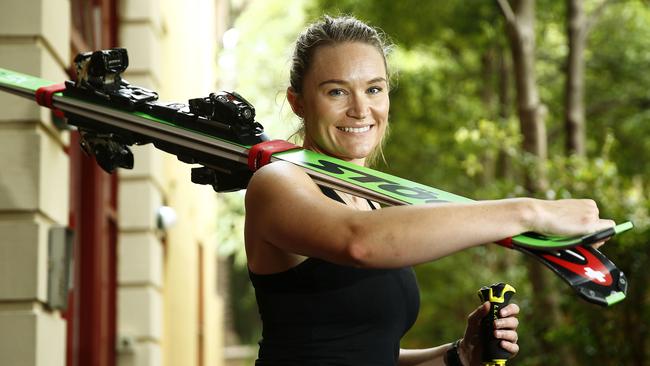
432 96
230 226
453 126
411 22
619 86
268 30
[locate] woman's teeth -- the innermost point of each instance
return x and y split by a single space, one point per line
354 130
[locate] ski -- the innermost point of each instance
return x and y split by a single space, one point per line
219 133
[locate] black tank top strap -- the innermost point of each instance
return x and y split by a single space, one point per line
329 192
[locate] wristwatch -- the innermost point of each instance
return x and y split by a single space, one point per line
451 357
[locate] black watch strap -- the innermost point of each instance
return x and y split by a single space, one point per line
451 356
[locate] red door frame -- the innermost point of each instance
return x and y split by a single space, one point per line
91 313
92 316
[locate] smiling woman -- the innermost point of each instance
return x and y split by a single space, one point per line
349 34
344 103
332 272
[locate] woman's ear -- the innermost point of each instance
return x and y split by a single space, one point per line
295 101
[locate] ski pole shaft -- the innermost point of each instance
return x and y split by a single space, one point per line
499 296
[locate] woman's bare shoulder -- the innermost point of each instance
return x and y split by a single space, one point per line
279 178
275 193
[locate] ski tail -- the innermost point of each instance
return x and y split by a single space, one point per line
594 277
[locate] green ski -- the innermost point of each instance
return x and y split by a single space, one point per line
219 132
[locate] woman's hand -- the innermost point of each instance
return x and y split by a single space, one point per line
471 346
567 217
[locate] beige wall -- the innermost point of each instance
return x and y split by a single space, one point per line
139 299
33 183
190 61
172 49
141 193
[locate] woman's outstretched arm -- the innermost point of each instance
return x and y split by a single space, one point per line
285 208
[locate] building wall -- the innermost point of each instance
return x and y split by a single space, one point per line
168 305
34 180
169 312
194 331
141 194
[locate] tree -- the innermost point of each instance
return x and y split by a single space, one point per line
520 26
578 28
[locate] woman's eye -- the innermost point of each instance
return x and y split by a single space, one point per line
336 92
375 90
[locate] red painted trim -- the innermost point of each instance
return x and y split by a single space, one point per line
92 310
113 23
97 243
91 313
71 314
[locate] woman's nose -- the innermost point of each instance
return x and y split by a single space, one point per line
358 107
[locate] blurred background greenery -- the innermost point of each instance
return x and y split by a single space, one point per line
480 109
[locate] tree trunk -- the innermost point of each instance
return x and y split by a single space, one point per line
574 112
488 98
578 27
532 113
503 168
505 99
488 71
520 27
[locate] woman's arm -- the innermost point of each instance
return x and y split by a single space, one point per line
286 209
423 357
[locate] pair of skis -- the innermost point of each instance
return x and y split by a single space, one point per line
220 133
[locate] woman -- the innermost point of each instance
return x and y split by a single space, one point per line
332 272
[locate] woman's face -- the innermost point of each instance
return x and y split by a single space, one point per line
345 101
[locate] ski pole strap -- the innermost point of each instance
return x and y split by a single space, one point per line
45 95
260 154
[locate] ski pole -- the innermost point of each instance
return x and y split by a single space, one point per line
498 295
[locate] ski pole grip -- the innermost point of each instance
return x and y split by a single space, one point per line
499 295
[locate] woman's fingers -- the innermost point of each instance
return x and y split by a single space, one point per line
509 310
507 335
513 348
506 323
598 244
605 223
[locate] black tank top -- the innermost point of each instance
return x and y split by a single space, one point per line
321 313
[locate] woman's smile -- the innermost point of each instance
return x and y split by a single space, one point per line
355 130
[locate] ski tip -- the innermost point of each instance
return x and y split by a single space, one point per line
623 227
614 298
